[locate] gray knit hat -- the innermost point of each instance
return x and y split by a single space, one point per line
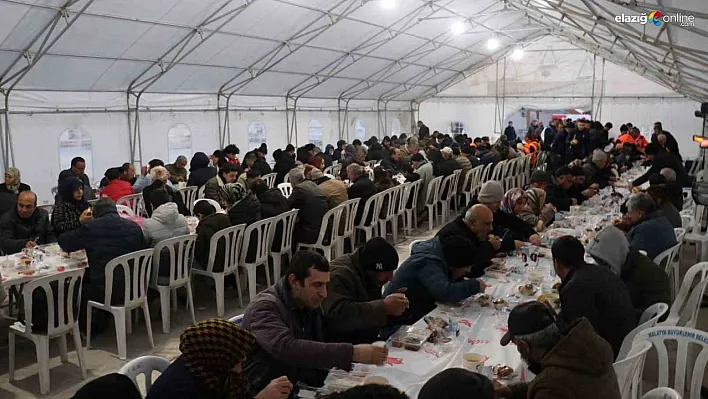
491 192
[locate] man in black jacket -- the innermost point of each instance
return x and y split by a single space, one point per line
253 161
448 165
105 237
556 193
662 159
596 171
362 187
354 309
423 131
475 225
309 198
25 226
592 292
671 143
78 168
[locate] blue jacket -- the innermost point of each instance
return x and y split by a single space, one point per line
654 234
426 276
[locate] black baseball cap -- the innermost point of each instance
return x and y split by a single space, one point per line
527 318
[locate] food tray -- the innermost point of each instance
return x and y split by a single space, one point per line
410 338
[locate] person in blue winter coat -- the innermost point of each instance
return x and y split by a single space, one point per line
434 272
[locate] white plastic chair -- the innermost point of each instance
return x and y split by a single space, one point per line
269 179
238 319
134 202
327 239
468 183
402 204
629 370
136 267
216 205
486 174
685 373
369 222
388 208
347 225
232 238
668 261
286 178
144 365
695 235
445 196
122 209
286 189
181 255
200 191
67 283
262 233
684 310
286 241
649 318
662 393
432 198
189 195
411 212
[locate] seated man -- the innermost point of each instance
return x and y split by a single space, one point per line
178 170
458 383
580 189
505 224
354 309
287 322
661 159
475 225
556 189
210 223
116 188
646 281
596 171
361 187
673 189
312 203
104 238
650 230
25 226
570 361
592 292
434 272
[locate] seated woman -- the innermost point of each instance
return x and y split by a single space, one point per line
199 171
211 365
166 221
210 223
12 182
72 209
160 181
240 204
538 213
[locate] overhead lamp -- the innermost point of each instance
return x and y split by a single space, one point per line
517 54
458 28
493 43
388 4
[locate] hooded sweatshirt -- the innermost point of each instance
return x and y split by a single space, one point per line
166 222
199 170
579 366
646 282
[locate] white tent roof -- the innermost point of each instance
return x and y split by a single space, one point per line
350 49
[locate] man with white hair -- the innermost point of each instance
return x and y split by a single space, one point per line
673 189
668 173
651 231
178 170
596 171
309 198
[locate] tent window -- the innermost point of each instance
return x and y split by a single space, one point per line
256 134
395 127
75 143
457 127
179 142
315 132
359 130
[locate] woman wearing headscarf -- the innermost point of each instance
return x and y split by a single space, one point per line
241 205
12 182
211 366
72 209
328 155
199 170
538 213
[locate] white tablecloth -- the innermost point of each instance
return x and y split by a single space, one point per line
52 262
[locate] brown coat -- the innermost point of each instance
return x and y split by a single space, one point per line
336 192
578 367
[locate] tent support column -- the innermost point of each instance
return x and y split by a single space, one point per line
497 113
291 119
385 117
602 93
345 122
415 116
592 96
224 126
134 130
380 125
5 137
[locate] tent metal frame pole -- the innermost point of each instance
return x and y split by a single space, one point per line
134 133
592 96
602 91
497 121
346 119
4 133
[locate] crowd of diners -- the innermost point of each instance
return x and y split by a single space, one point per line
322 314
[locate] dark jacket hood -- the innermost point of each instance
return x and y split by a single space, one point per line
199 161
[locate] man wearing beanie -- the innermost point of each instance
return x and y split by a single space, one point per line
105 237
434 272
354 309
457 383
597 172
506 224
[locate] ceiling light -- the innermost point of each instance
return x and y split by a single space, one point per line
493 43
388 4
458 28
517 54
